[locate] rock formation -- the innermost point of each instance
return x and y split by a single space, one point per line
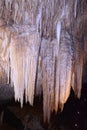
43 48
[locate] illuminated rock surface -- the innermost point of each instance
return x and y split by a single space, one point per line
43 48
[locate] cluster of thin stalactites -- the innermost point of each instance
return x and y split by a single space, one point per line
45 66
38 55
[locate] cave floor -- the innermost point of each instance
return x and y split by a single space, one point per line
73 117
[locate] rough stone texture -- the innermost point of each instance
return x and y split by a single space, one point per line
62 25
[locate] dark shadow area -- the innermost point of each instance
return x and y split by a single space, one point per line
73 116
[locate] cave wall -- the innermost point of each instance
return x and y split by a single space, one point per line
43 48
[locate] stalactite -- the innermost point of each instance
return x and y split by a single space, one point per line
24 69
4 52
48 72
39 19
39 78
16 11
75 8
65 68
78 70
57 67
58 32
40 52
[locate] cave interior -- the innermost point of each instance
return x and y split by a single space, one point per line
43 64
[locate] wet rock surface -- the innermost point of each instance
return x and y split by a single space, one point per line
73 117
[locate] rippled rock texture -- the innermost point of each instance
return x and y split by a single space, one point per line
43 48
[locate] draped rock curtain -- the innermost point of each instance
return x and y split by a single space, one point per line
43 47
